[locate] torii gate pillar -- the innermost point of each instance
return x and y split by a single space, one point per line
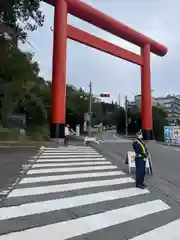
59 70
146 98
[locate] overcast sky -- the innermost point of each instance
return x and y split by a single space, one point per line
159 19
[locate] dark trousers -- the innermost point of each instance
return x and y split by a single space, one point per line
140 170
65 140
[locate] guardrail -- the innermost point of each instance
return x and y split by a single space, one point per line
172 142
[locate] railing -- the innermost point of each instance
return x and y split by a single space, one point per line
173 142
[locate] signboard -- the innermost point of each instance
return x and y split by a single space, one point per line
131 161
167 132
172 135
175 132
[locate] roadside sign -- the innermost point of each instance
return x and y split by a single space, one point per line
168 132
176 132
131 161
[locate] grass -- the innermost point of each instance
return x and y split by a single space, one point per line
39 134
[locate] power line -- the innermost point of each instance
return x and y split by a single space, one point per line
32 45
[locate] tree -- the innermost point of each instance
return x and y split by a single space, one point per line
21 15
18 76
159 121
23 91
120 125
134 121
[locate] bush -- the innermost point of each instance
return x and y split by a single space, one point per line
39 134
9 134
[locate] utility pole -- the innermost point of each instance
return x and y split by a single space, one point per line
119 100
126 114
90 108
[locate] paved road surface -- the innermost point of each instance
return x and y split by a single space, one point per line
166 162
11 164
76 193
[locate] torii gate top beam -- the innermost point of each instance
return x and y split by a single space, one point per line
95 17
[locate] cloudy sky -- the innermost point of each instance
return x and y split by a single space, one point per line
158 19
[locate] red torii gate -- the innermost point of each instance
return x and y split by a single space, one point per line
62 31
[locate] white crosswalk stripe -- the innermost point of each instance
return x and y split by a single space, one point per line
115 141
40 165
69 176
80 181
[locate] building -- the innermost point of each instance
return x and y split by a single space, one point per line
137 102
170 103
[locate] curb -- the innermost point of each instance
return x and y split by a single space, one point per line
18 146
22 173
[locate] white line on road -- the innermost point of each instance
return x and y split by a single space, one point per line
69 159
76 227
70 153
69 150
41 165
58 204
171 148
114 135
70 176
123 140
67 187
169 231
70 156
69 169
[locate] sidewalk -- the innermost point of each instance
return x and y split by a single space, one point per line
36 144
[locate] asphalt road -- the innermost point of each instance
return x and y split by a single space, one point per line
11 165
80 193
166 162
76 193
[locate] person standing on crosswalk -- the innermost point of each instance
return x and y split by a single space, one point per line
140 160
66 135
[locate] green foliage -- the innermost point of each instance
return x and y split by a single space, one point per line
21 15
159 121
134 121
24 92
78 102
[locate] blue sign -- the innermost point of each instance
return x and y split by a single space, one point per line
167 132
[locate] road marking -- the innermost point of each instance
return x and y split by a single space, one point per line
114 135
68 149
69 159
169 231
76 227
70 153
67 187
171 148
59 204
90 222
70 156
69 169
70 176
122 139
41 165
